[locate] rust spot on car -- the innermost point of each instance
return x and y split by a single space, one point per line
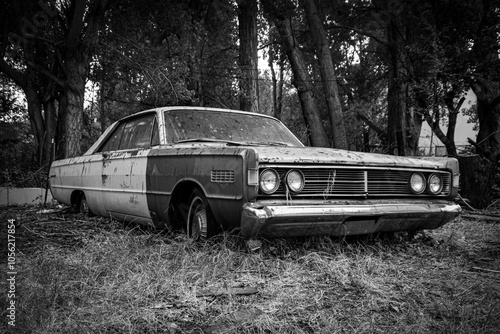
223 152
133 199
105 160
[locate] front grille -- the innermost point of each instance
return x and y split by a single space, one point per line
357 182
388 182
333 181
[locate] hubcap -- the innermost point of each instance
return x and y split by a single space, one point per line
198 223
84 208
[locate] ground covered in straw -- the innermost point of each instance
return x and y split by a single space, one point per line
93 275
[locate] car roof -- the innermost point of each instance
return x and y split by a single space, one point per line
154 110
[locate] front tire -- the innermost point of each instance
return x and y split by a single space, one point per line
200 222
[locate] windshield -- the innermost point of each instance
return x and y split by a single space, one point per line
207 125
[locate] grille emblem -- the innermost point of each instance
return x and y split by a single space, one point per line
330 183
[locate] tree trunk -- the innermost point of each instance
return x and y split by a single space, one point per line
434 125
413 128
328 75
36 120
277 83
404 125
302 81
301 78
453 112
79 21
71 109
194 60
281 82
434 120
476 180
488 110
396 103
76 53
381 134
249 90
274 82
486 82
26 81
50 130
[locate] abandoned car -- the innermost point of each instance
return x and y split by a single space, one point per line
207 170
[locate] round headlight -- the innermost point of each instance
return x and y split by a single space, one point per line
417 183
269 181
435 184
295 180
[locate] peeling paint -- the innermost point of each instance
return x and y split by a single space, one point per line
312 155
139 184
133 200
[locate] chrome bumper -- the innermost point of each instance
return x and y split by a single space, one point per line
339 218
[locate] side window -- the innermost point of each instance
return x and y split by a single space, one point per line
113 141
133 134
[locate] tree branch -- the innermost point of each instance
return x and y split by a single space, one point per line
47 74
492 105
267 45
76 24
459 104
380 133
481 152
364 33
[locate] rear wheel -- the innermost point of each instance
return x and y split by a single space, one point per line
83 207
200 222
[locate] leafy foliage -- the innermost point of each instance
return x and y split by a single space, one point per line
18 163
147 54
168 53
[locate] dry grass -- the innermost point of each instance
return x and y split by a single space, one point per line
78 275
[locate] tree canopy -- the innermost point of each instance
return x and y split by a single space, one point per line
362 75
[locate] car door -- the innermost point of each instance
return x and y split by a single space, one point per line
124 163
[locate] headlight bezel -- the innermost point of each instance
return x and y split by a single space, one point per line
429 184
266 190
423 181
301 177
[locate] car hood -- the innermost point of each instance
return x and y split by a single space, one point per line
321 155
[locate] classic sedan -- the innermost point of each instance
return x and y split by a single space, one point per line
206 170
